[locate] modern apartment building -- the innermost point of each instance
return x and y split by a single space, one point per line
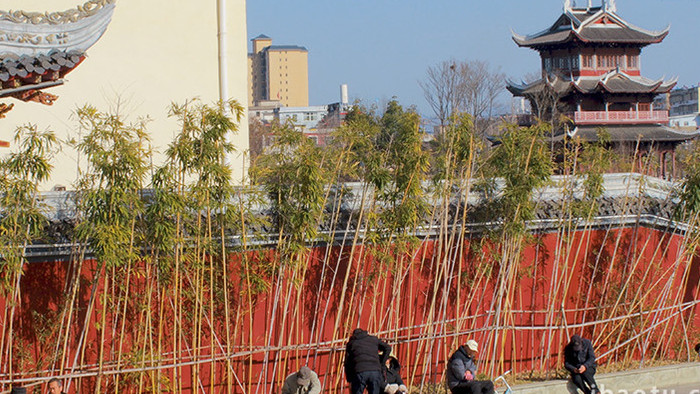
278 73
683 107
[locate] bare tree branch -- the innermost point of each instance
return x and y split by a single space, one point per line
472 87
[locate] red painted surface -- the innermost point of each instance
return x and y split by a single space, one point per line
425 304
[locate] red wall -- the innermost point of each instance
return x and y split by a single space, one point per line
624 285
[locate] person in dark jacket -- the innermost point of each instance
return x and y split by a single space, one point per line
461 372
365 356
394 384
579 360
697 349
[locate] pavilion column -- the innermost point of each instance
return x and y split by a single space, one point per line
673 163
662 157
607 116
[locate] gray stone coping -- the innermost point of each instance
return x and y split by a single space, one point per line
624 382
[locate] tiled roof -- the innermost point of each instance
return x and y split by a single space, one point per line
581 25
613 82
21 73
631 133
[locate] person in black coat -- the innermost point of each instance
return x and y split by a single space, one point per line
579 360
394 384
365 356
461 371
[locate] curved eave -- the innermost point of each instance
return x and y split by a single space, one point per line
630 133
667 86
526 90
543 40
515 90
31 36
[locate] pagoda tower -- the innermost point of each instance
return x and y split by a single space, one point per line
591 72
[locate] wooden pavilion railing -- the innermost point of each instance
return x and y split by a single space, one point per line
620 117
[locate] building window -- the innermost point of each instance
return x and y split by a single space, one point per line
547 64
587 61
633 61
574 62
603 61
561 63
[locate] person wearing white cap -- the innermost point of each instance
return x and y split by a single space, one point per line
461 372
304 381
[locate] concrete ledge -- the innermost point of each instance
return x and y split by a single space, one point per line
639 379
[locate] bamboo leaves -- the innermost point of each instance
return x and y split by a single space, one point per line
690 189
293 174
21 173
523 162
109 189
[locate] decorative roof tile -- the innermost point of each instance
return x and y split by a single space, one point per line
632 133
615 81
32 33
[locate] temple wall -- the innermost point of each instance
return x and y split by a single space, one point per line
630 289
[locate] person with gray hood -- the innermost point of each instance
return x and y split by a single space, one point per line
304 381
365 356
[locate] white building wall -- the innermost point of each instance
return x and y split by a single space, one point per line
154 52
690 120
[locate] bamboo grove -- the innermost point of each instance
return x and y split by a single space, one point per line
180 279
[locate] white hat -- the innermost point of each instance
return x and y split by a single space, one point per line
472 345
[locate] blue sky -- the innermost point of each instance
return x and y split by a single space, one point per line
382 48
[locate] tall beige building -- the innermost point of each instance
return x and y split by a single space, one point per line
278 73
153 53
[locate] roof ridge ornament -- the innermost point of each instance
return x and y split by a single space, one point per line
89 8
609 6
567 5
